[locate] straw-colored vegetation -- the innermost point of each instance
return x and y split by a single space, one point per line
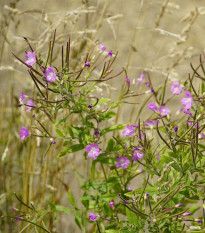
158 36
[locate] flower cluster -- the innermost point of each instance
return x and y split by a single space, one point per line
163 110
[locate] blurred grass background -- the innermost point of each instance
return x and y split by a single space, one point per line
158 36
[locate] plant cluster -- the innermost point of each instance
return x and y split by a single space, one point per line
145 176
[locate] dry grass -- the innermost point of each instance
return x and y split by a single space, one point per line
160 37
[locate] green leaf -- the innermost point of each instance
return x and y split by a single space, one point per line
61 121
61 208
132 217
202 87
70 131
106 116
193 209
71 199
78 220
60 133
110 145
113 128
111 231
108 197
71 149
93 170
103 100
53 207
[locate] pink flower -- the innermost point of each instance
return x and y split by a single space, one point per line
52 141
93 150
111 204
158 157
24 133
148 84
151 124
164 111
137 155
176 128
191 123
128 131
123 162
102 47
87 64
129 188
201 135
178 205
93 217
186 214
188 100
127 80
96 133
110 53
31 58
30 104
186 111
18 218
140 79
152 106
50 74
22 97
176 89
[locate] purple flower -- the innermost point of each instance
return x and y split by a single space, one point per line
152 106
30 104
191 123
199 221
87 64
123 162
178 205
102 47
111 204
52 141
127 80
96 133
105 110
186 214
129 188
140 79
31 58
93 217
201 135
176 128
148 84
110 53
50 74
151 124
188 100
179 111
158 157
93 150
18 219
137 155
186 111
164 111
90 106
24 133
176 89
22 97
128 130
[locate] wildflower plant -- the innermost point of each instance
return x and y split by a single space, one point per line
146 175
